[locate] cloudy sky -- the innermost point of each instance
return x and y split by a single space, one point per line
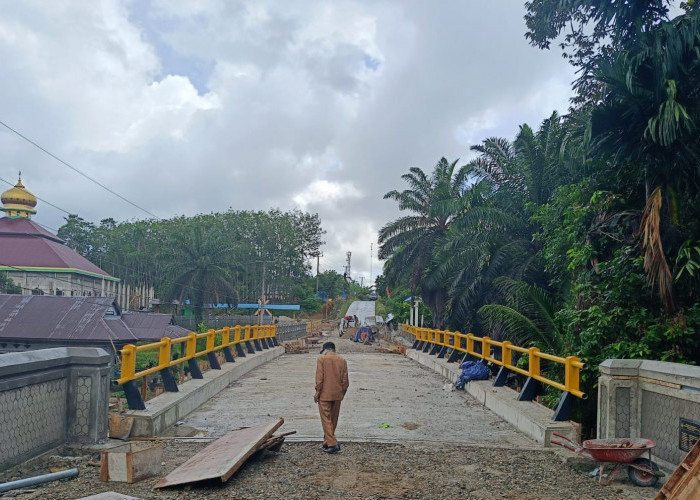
188 107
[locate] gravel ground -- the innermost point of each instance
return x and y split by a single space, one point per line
360 471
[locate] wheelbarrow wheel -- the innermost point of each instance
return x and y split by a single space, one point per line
640 477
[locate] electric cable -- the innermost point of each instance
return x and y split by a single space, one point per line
76 169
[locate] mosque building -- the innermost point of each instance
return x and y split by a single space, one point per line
39 261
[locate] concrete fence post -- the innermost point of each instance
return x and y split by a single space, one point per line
49 397
651 399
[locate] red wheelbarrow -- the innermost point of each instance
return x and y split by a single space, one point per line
618 451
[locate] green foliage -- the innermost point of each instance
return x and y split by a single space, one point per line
7 285
213 258
688 262
616 317
331 283
407 243
544 231
527 318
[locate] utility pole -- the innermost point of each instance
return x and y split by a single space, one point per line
262 291
318 258
347 266
371 245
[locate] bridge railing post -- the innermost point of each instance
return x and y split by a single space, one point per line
532 386
226 343
191 351
506 359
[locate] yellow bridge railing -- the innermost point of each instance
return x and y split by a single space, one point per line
252 337
442 342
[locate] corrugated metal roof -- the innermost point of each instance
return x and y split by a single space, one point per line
25 244
145 325
25 226
75 319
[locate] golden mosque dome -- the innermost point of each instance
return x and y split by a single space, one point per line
18 202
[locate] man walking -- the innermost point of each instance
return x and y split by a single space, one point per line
331 385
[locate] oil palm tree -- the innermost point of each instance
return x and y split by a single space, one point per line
526 318
200 267
407 244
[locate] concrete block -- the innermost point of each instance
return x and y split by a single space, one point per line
131 462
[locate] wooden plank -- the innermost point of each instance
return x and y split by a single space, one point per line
222 458
684 483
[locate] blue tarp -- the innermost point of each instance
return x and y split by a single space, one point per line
358 335
472 370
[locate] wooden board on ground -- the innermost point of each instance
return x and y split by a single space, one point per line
222 458
684 483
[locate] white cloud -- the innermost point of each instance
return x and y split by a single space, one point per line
323 192
189 107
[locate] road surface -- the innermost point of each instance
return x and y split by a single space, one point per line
391 399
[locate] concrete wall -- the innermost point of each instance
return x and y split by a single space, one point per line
50 397
650 399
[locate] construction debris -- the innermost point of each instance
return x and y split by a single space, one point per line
222 458
395 349
295 347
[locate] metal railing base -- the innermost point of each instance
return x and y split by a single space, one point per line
194 368
213 361
228 355
169 383
502 376
133 396
562 413
531 389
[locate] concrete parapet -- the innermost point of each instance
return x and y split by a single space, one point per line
166 409
530 418
650 399
49 397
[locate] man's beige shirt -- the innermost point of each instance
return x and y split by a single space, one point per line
331 377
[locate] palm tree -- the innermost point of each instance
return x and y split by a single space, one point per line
526 318
407 243
200 267
493 236
647 123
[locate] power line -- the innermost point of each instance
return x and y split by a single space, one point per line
40 199
75 169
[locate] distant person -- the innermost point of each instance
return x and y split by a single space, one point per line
331 385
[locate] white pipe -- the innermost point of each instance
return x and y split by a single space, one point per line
31 481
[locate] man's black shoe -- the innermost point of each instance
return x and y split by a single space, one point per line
332 449
325 446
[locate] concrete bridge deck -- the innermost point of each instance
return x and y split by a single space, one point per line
391 399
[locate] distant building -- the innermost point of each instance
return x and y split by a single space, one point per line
40 262
35 322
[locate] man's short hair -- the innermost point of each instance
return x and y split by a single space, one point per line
328 346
